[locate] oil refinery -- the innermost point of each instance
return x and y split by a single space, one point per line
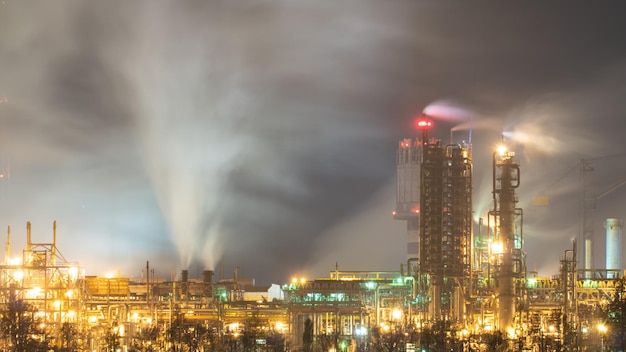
463 287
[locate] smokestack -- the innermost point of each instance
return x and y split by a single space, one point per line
28 238
184 284
207 280
613 246
148 283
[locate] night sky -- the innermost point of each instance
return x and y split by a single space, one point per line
261 135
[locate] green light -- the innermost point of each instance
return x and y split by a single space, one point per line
531 283
590 283
370 285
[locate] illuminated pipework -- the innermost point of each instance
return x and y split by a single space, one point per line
505 222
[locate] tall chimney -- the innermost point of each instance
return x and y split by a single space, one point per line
28 238
207 280
184 284
613 246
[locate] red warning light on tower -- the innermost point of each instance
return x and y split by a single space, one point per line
424 123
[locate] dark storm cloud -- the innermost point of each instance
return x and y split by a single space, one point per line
260 133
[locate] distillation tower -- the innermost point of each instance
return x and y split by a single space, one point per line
408 162
505 224
439 219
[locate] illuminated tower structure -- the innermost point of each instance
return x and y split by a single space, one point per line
42 278
408 161
505 222
445 223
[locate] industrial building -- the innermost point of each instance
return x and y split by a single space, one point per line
460 283
475 277
58 293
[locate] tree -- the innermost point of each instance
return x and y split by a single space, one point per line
230 343
412 334
252 331
387 341
68 334
327 341
145 340
307 335
176 332
212 337
435 336
495 341
275 341
112 340
615 317
20 327
193 336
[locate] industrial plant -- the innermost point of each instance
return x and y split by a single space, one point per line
464 285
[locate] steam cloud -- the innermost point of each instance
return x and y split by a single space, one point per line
200 134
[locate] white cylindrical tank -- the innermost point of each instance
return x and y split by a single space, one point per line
613 245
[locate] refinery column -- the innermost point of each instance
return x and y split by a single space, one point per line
408 163
445 225
506 243
431 220
408 160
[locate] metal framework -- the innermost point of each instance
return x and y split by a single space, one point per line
446 226
42 278
506 220
408 162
